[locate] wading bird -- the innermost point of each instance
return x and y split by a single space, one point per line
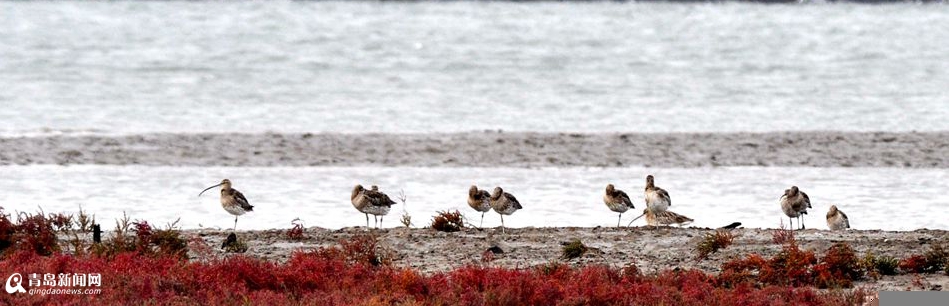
795 203
480 200
504 204
836 219
232 200
371 202
617 201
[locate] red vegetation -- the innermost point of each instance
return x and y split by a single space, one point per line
838 268
913 264
314 279
296 232
448 221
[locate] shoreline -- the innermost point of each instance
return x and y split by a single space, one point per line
489 149
651 250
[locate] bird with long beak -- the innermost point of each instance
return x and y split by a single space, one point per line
232 200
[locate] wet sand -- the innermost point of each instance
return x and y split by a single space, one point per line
489 149
651 250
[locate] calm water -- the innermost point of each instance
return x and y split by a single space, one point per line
874 198
132 67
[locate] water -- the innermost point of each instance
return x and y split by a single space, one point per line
874 198
137 67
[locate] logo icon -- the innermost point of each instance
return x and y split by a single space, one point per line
18 280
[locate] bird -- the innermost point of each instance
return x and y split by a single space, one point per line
795 203
371 202
836 219
232 200
657 199
480 200
504 204
665 218
617 201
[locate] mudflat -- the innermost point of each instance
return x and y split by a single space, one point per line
489 149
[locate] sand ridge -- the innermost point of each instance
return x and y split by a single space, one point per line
489 149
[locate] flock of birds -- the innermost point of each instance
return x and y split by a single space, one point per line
794 203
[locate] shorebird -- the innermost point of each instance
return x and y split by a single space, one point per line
232 200
480 200
371 202
657 199
504 204
795 203
836 219
617 201
665 218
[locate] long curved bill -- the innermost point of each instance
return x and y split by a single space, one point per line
206 189
637 218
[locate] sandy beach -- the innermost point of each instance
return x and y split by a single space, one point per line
489 149
651 250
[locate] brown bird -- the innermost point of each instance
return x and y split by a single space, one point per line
665 218
371 202
795 203
657 199
836 219
617 201
232 200
480 200
504 204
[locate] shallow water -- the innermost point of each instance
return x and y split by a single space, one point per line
874 198
137 67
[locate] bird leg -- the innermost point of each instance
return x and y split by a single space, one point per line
380 220
482 220
367 220
801 221
235 223
502 224
618 219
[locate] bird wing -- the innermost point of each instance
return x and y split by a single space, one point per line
243 201
664 195
511 198
623 197
806 199
377 198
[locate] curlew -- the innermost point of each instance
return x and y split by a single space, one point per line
836 219
665 218
371 201
504 204
617 201
232 200
657 199
480 200
795 203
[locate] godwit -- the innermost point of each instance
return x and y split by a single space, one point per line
504 204
665 218
371 202
795 203
657 199
480 200
836 219
232 200
617 201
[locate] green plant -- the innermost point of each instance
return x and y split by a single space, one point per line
712 242
573 249
883 265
